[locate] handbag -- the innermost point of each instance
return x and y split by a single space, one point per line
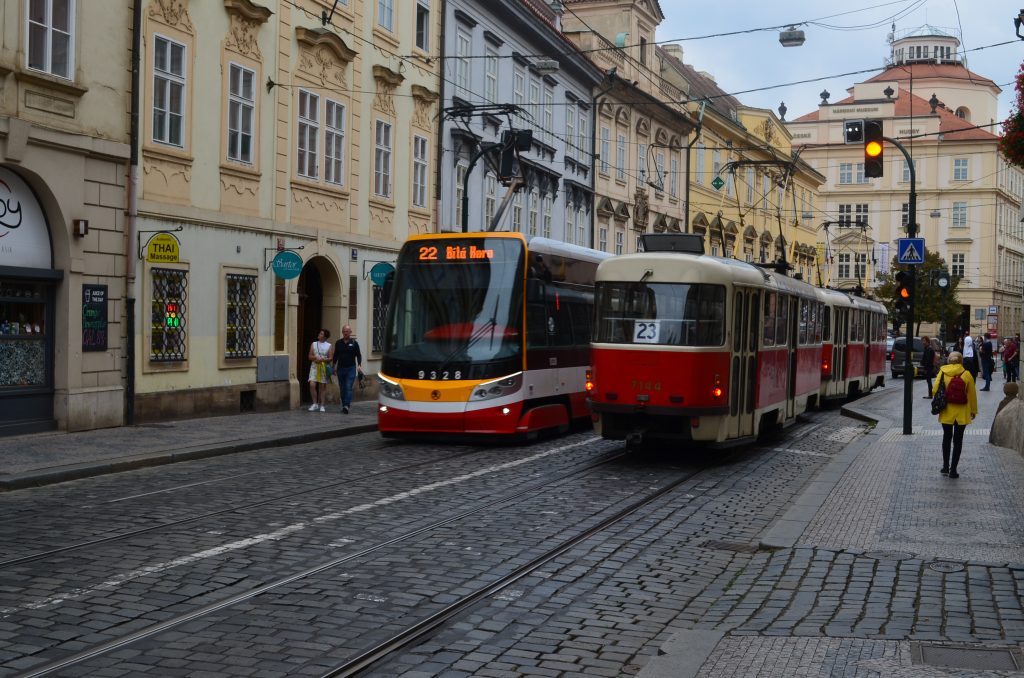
330 371
939 399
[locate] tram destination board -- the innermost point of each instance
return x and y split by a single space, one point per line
94 317
465 251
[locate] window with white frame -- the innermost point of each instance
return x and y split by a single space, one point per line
906 171
423 25
844 265
765 188
517 212
698 177
602 238
581 228
845 215
570 129
673 187
462 53
570 223
533 100
620 158
518 86
241 112
750 185
583 143
382 159
490 198
959 169
50 37
641 162
309 133
386 14
460 181
959 265
960 215
605 148
334 143
546 205
846 172
659 163
490 76
419 171
549 112
620 239
168 91
860 266
532 212
860 173
716 163
861 214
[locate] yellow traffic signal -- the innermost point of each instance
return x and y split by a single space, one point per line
873 150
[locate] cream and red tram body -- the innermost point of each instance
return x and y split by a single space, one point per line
694 348
487 334
853 345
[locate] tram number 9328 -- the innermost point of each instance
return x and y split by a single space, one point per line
444 375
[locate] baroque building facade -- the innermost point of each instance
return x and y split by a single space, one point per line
508 66
968 196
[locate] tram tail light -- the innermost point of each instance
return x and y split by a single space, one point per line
589 384
826 368
717 390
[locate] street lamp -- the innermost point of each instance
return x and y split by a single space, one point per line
1018 21
791 37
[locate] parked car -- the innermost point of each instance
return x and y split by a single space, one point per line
888 347
898 356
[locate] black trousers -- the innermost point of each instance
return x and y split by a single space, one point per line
952 433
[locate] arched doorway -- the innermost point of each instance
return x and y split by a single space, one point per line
319 298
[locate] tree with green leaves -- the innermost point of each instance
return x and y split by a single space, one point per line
930 303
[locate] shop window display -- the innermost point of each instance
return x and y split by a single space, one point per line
22 335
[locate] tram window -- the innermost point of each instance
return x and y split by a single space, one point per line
737 325
536 326
826 324
769 319
558 321
755 308
819 318
580 314
660 313
805 313
782 321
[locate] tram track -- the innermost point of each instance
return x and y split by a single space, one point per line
521 491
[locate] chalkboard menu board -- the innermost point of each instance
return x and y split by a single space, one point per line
94 317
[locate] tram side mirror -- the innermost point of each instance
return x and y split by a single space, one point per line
534 291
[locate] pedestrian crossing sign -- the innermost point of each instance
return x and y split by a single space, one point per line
910 250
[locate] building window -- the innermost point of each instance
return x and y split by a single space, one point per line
460 182
766 188
846 172
532 213
860 266
643 51
517 212
844 265
860 174
240 328
862 214
423 25
673 187
569 228
581 228
546 205
309 131
280 313
386 14
602 239
168 91
906 171
845 216
750 185
959 264
959 169
382 160
490 198
462 52
584 138
490 77
241 112
959 215
353 297
698 177
380 314
549 112
419 171
659 164
50 45
620 238
168 324
641 162
620 158
605 149
716 163
334 143
570 129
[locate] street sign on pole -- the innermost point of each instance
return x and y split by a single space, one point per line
910 250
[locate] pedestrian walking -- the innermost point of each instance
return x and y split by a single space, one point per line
928 363
320 353
988 363
960 410
1011 359
348 360
970 360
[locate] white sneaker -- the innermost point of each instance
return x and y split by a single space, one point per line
312 408
323 409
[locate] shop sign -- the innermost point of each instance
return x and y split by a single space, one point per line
24 234
94 317
287 265
380 272
163 248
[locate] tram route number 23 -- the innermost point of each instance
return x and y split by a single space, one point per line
645 331
443 375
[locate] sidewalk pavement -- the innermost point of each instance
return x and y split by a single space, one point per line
882 564
44 458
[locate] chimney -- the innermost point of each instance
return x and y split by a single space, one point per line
707 75
558 9
673 50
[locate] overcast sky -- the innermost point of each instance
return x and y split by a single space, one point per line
851 38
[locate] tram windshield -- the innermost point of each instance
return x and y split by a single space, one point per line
456 310
660 313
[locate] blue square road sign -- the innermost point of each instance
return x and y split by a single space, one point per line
910 250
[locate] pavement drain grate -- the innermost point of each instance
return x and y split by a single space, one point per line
945 566
737 546
889 555
965 657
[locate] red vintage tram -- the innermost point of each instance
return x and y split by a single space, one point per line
689 347
853 345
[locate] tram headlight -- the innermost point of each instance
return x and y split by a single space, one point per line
497 388
390 389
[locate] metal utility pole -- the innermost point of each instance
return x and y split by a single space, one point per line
908 381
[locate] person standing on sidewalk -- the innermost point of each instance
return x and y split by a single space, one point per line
928 363
1011 359
348 360
988 363
319 358
961 409
970 360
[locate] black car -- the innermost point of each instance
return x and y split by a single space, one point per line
899 356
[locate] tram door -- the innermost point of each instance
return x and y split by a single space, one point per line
839 331
793 303
746 310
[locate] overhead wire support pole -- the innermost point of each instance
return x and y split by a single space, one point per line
908 372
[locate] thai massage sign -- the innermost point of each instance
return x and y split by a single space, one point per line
24 234
163 248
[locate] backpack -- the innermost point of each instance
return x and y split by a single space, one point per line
956 391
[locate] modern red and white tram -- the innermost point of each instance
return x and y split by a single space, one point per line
689 347
487 334
853 345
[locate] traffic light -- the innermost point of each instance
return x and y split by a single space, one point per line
172 315
874 160
853 131
904 291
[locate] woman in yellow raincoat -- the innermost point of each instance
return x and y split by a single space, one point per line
955 416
